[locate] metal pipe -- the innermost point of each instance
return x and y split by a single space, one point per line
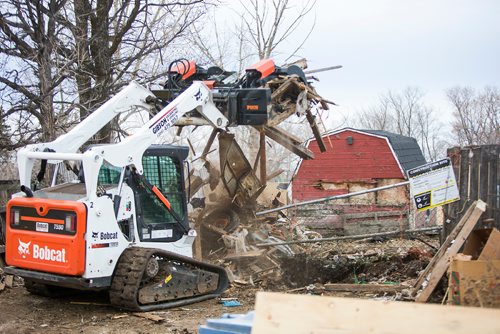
323 69
331 198
351 237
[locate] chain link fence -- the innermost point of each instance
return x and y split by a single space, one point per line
363 216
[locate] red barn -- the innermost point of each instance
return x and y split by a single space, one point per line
356 160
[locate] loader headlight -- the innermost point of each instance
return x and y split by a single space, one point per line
70 223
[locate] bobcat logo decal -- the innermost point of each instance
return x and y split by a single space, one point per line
198 95
23 248
95 234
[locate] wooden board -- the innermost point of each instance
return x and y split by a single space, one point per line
450 248
442 250
286 313
288 141
314 127
364 287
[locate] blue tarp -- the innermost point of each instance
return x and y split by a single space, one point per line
229 324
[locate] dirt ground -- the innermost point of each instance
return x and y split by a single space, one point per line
22 312
389 261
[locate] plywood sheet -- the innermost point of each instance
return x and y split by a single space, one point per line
277 313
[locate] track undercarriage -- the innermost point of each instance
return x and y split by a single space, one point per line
148 279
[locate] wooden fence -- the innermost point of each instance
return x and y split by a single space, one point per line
477 173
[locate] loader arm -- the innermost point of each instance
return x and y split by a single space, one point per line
130 150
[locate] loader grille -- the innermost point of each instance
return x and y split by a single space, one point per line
164 173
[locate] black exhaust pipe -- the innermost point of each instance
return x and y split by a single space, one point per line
27 191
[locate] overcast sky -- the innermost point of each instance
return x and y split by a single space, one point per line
390 44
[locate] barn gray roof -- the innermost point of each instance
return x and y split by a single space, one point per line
406 149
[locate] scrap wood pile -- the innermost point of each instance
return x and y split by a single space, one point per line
314 267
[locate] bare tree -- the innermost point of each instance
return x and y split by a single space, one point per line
5 140
259 29
476 115
115 42
377 116
61 59
30 77
270 23
405 113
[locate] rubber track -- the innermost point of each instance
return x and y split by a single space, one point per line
129 272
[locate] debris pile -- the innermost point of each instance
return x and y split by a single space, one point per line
247 263
297 266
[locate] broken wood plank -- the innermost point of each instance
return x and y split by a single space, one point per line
190 144
312 95
282 88
195 185
215 229
119 316
263 158
213 174
246 255
442 250
209 143
197 253
290 137
149 316
274 174
443 257
277 313
302 63
277 118
315 130
364 287
289 142
270 269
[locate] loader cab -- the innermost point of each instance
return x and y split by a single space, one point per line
164 168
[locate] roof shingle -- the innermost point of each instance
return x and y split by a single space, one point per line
406 149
